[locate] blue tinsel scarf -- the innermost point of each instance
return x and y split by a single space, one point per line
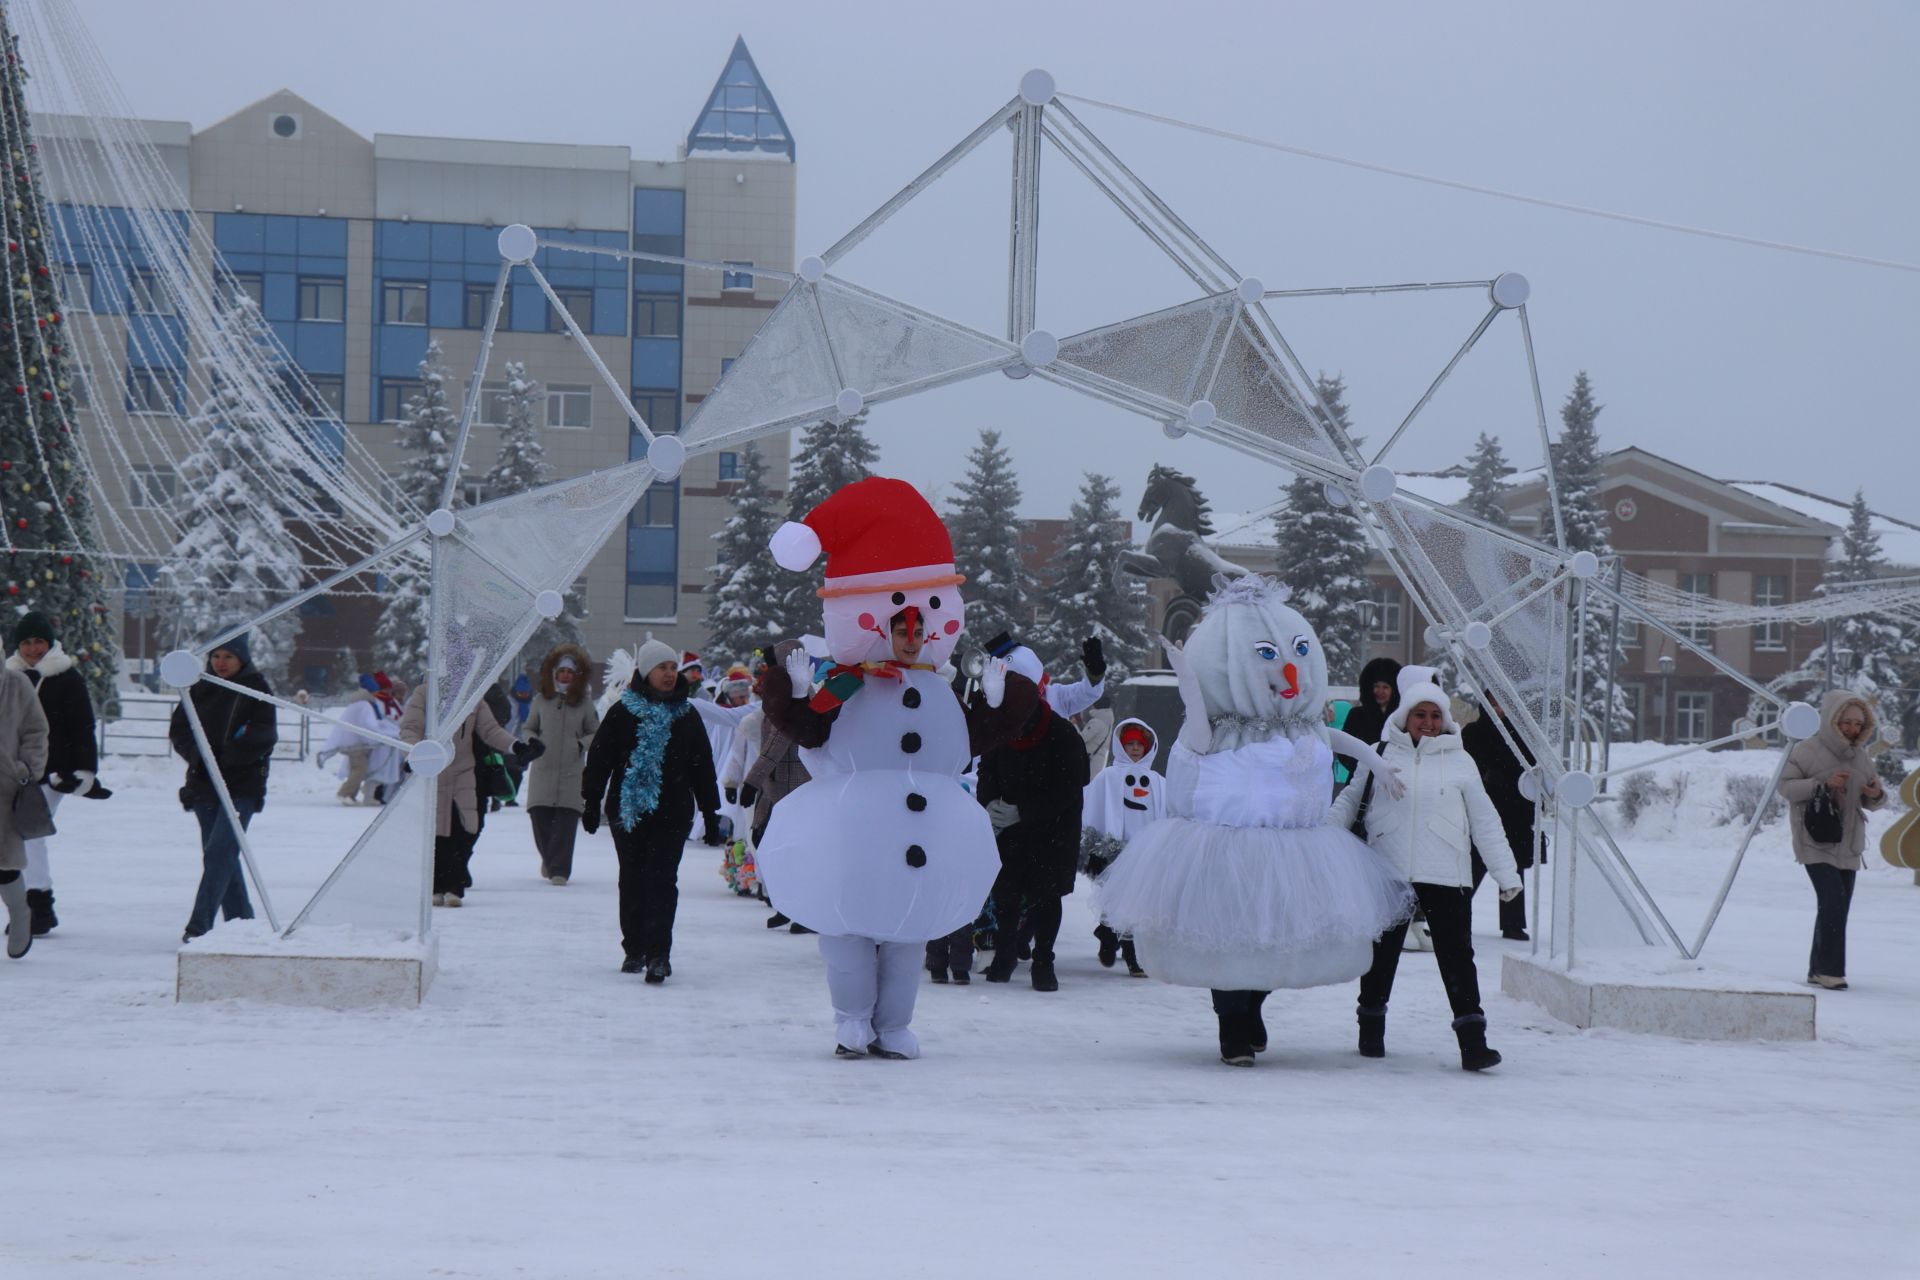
640 788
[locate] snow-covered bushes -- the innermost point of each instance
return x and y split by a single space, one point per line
1664 801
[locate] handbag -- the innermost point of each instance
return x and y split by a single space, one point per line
32 819
1822 819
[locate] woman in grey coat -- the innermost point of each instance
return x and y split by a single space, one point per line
23 760
563 720
1836 757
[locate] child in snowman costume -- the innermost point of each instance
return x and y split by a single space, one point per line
1123 800
1245 887
883 848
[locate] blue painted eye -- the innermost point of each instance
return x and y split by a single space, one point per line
1300 646
1266 651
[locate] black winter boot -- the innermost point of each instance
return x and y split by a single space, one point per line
1128 954
1235 1048
1257 1025
1041 972
40 905
1001 967
1109 946
1472 1034
1373 1033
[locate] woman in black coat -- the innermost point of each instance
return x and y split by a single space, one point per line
242 733
1032 785
649 765
1501 771
1379 698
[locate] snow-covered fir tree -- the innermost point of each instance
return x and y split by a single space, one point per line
1578 472
520 464
1322 554
1086 596
1873 655
1487 472
987 537
745 577
426 434
235 555
832 455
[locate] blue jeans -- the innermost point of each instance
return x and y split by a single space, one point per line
223 887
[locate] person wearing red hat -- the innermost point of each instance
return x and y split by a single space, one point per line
883 849
1124 799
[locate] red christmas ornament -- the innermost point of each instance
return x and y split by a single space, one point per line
40 271
43 322
12 590
66 559
6 466
85 574
19 390
46 395
21 523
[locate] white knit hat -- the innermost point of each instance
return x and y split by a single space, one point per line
1418 685
652 654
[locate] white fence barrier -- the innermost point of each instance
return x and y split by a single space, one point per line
141 729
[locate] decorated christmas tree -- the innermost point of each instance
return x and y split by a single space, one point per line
50 536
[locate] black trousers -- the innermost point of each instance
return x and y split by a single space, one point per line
955 951
1025 910
1833 890
1449 912
452 855
553 831
1228 1003
650 884
1513 915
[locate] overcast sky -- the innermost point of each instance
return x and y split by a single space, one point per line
1786 121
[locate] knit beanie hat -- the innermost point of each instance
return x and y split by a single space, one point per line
239 646
652 654
33 626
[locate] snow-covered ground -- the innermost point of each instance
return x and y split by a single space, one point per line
544 1116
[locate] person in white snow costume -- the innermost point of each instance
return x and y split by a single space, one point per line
1123 800
883 848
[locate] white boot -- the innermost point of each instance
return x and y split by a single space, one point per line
19 917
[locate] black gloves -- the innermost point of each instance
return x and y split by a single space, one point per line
529 751
80 780
711 835
1093 659
749 796
590 819
733 795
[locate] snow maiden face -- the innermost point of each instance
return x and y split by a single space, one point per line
1259 661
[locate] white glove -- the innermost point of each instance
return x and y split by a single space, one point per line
1386 776
800 671
1002 815
1508 895
993 681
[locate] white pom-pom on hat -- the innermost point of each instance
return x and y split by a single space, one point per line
794 546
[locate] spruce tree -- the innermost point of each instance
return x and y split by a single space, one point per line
1322 554
1487 473
51 536
1086 595
235 555
520 465
1578 472
426 436
832 456
745 578
987 537
1872 652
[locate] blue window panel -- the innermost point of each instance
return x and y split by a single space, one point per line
483 245
406 240
280 296
327 441
281 262
636 445
399 349
441 270
287 331
610 310
659 211
656 362
652 553
239 232
479 273
322 266
449 241
320 348
110 292
399 269
325 236
251 262
529 309
282 234
446 304
651 279
156 342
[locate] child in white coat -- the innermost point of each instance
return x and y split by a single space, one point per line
1428 833
1124 799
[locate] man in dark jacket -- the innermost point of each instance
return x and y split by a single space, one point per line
1379 698
649 765
1032 785
1501 771
73 756
241 732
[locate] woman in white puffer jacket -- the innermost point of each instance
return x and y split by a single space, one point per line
1428 834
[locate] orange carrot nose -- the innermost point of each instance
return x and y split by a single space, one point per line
1140 792
1292 673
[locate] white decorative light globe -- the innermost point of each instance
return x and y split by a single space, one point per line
1799 720
518 243
1577 789
549 603
429 759
1432 637
1036 88
1251 290
666 455
1336 496
1584 564
1039 348
1528 787
1201 413
1016 370
1478 635
812 269
440 522
1377 483
1509 290
180 668
849 402
1173 430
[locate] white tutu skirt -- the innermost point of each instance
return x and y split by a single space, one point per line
1252 908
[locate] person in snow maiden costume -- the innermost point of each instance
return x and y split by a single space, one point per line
1124 799
242 732
1426 829
73 755
650 765
883 848
1245 887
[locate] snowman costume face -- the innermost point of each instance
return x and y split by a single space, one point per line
1128 795
1260 666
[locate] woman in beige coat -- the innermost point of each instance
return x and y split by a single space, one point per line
1835 758
563 721
458 825
23 761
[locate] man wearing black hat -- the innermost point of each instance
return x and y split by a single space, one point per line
241 731
73 755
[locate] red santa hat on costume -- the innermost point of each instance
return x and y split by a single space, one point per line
688 659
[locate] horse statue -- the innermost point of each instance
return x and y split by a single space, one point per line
1175 548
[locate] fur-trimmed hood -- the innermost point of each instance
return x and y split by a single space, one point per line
56 662
577 691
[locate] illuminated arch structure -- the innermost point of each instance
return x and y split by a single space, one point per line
1216 367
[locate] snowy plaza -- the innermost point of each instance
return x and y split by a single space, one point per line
1131 676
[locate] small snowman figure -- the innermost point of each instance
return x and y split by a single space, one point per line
884 848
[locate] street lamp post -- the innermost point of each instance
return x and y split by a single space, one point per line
1666 698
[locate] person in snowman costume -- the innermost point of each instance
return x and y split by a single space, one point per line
882 849
1244 887
1123 800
